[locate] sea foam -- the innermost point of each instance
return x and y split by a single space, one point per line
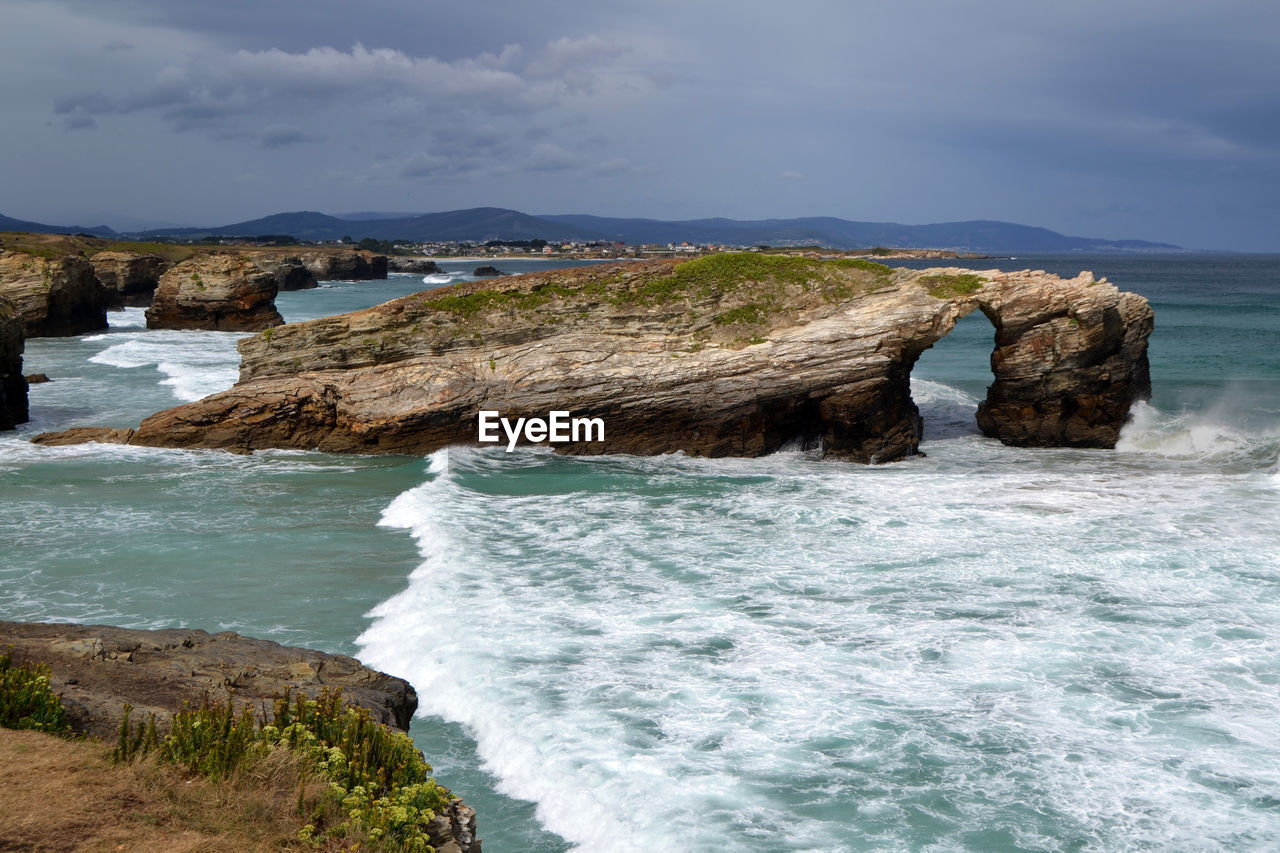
801 654
193 364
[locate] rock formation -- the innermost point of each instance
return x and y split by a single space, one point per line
1068 363
57 297
345 265
422 266
97 669
129 278
13 385
289 271
225 293
487 272
723 355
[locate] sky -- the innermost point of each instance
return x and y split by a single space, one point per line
1123 119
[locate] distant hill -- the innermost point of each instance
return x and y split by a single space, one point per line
475 224
8 223
494 223
972 236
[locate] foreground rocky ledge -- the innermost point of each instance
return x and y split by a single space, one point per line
97 669
723 355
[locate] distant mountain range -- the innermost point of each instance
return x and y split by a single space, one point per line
8 223
494 223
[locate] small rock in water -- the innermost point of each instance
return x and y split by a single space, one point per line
37 378
487 271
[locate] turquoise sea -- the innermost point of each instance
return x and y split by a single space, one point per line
984 649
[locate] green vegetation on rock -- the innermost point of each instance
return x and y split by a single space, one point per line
766 282
946 286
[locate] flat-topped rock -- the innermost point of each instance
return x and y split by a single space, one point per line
723 355
217 292
98 668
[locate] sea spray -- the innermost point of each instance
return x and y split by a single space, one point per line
726 654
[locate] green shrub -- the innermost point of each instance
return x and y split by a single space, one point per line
27 701
377 776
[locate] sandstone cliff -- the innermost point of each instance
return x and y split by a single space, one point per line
56 297
219 292
724 355
349 265
129 278
13 385
289 272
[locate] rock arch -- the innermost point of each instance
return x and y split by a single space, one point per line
708 371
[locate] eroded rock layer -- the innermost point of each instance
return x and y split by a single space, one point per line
225 293
129 278
724 355
57 297
290 272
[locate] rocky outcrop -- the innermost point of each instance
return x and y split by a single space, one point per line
724 355
487 272
57 297
225 293
1069 362
13 385
421 266
289 272
129 278
98 668
345 265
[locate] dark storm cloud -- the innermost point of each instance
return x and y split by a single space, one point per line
1128 119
